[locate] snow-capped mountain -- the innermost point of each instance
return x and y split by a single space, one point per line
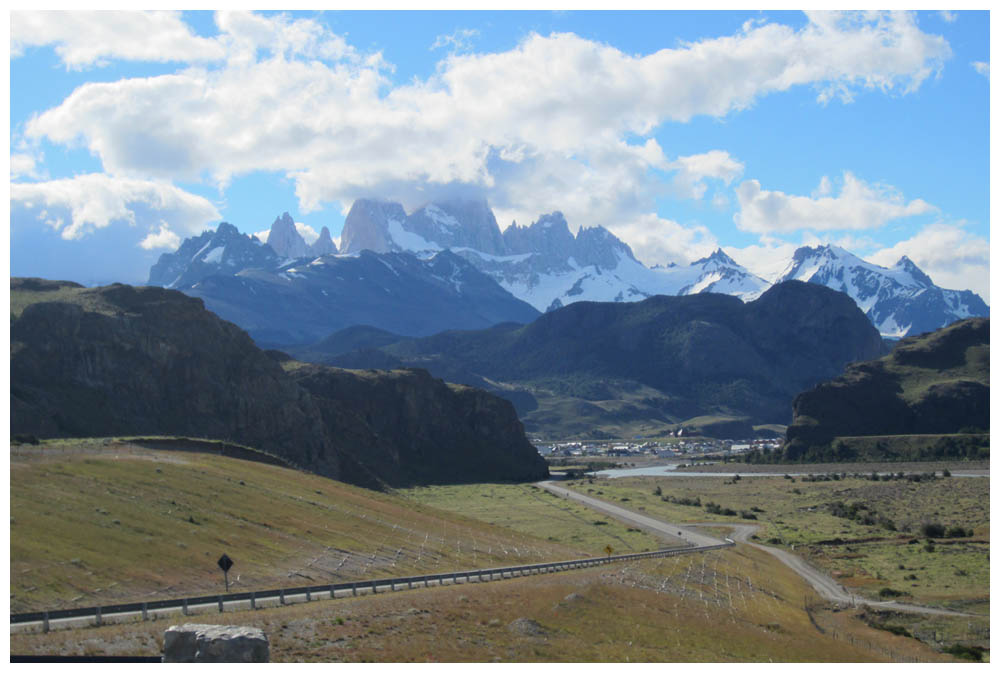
224 250
543 264
900 301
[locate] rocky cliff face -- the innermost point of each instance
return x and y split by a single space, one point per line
931 384
121 360
404 427
367 226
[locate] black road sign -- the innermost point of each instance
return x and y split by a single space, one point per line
225 563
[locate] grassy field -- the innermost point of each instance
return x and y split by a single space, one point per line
99 521
530 510
726 606
861 553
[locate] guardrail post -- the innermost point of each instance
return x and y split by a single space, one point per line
220 604
281 596
333 593
99 615
425 582
409 582
354 588
145 615
45 622
374 587
253 600
308 596
392 584
184 607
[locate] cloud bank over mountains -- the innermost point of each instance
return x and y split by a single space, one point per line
559 122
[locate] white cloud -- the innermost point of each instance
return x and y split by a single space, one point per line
858 206
767 259
540 127
950 255
91 38
24 165
162 238
306 232
655 240
948 17
982 68
460 40
94 201
693 170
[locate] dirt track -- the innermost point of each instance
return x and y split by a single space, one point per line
824 585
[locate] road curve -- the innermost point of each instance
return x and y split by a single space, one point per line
824 585
668 531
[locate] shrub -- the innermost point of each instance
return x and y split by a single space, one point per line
657 491
748 515
970 652
932 529
887 592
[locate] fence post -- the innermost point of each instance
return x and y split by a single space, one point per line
184 607
145 616
98 615
220 603
253 600
45 622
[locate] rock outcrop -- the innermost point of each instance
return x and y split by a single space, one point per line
404 427
931 384
212 643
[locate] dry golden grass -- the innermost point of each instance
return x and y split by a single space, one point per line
95 524
724 606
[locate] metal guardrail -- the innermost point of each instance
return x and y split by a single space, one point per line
372 585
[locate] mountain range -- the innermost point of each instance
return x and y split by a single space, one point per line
640 367
283 298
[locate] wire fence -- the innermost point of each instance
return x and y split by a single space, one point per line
353 588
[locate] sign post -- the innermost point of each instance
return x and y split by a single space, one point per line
226 563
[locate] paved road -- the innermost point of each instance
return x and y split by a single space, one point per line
668 531
824 585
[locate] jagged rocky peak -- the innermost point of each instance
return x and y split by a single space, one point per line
719 257
596 246
367 226
285 239
223 251
906 265
549 236
458 223
323 245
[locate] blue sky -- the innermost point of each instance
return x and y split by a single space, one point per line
679 131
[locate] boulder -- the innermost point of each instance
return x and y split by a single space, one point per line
212 643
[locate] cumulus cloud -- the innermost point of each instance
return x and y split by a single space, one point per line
162 238
92 38
24 165
549 124
656 240
77 206
693 170
982 68
857 206
948 17
953 257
